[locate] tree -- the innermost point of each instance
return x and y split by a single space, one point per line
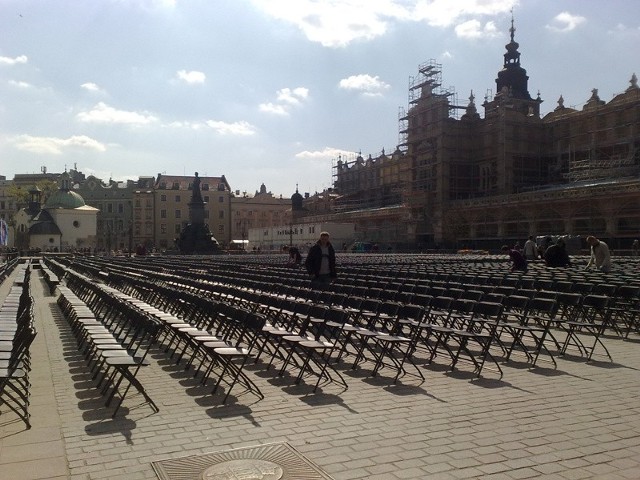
21 194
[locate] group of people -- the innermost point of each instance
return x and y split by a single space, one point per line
321 259
555 254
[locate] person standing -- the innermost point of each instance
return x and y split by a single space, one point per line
530 249
321 263
635 248
600 254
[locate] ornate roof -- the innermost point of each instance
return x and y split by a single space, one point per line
44 228
65 199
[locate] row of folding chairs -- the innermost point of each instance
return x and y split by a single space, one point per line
305 335
112 333
17 333
231 292
215 338
465 292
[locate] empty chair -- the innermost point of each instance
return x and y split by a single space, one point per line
592 323
529 334
474 341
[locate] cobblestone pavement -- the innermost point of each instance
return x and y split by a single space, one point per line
579 421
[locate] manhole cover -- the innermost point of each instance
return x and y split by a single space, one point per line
275 461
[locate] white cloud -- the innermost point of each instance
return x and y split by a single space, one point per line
336 23
92 87
565 22
102 113
325 155
223 128
623 31
473 29
364 83
236 128
287 98
20 84
193 77
13 61
55 146
274 108
444 13
293 97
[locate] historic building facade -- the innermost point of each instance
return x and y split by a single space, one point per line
172 194
261 210
480 181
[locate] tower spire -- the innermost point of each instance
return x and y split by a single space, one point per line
512 30
513 79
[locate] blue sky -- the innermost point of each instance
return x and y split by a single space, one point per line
272 90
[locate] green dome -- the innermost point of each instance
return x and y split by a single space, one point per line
64 199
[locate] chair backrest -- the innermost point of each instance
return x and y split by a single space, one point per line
517 303
545 308
569 304
422 300
411 312
389 308
488 310
594 308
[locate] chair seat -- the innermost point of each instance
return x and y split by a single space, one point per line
231 351
316 344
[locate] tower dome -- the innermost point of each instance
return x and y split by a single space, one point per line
64 197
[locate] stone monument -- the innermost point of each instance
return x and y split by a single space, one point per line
195 238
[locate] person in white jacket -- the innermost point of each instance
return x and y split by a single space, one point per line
600 255
530 249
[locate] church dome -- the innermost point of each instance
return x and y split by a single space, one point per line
296 200
65 199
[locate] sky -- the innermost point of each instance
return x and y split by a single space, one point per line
273 91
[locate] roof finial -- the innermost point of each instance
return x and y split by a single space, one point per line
512 29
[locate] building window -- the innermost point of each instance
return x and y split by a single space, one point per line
220 228
163 198
206 198
205 186
178 214
221 199
76 223
109 208
163 185
221 214
206 214
177 229
175 186
120 208
163 214
177 198
163 228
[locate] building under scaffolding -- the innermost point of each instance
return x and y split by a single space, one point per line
457 178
